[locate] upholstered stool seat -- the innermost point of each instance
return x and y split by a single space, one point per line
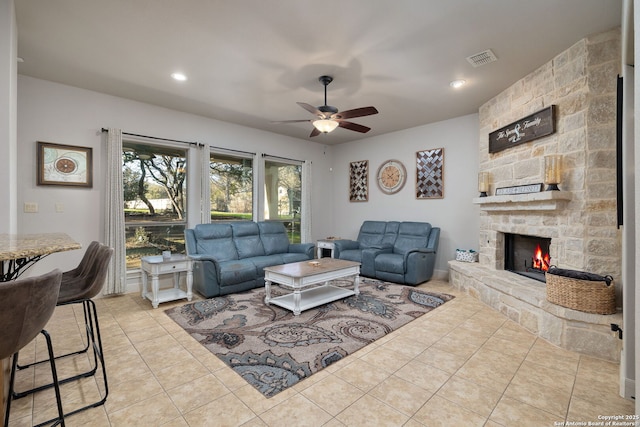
26 306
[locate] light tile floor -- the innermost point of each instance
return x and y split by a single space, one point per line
462 364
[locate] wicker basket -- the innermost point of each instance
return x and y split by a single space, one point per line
594 294
466 256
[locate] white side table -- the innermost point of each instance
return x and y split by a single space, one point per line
157 265
325 244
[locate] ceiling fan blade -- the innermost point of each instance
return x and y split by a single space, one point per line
354 126
314 132
356 112
310 108
290 121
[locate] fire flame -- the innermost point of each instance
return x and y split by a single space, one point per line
540 261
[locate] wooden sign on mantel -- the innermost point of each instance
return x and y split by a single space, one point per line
532 127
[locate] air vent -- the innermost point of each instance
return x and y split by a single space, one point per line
482 58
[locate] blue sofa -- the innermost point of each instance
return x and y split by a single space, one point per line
230 257
399 252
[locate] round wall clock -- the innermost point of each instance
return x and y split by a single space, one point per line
391 176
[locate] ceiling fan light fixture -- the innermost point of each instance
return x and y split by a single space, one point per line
324 125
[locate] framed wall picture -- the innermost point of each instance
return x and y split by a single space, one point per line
359 181
66 165
430 174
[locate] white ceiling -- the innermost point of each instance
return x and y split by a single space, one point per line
250 61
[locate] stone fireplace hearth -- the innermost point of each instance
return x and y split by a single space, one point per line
579 220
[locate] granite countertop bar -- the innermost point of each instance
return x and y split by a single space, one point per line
15 246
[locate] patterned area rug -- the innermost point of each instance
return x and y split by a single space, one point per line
273 349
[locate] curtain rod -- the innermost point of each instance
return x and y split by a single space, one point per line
231 149
157 138
283 158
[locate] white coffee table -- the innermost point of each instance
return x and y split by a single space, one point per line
304 277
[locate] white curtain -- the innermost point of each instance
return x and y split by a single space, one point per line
204 160
305 226
114 216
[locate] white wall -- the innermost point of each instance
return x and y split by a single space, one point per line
8 97
62 114
457 217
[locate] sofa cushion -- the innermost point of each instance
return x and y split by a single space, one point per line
236 271
215 240
261 262
246 237
294 257
274 237
392 263
390 233
411 235
371 233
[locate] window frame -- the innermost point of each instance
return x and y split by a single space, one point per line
206 190
188 191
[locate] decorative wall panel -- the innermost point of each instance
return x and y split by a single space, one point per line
430 174
359 181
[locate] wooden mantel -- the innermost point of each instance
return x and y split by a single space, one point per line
542 201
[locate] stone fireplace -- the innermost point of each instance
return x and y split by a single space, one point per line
577 225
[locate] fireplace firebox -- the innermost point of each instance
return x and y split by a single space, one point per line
527 255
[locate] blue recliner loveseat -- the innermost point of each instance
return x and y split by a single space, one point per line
399 252
230 257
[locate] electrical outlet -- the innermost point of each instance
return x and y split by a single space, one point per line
59 207
30 207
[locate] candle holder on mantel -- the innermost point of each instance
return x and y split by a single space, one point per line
552 171
483 183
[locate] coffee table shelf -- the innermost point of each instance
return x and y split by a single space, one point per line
313 297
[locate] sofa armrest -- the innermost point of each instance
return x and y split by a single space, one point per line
206 275
203 257
416 250
434 238
343 245
303 248
346 244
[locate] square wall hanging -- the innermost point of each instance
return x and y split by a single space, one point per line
359 181
64 165
430 174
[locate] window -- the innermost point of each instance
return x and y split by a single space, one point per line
231 186
154 181
155 194
283 195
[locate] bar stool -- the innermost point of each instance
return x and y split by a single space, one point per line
82 269
78 286
26 305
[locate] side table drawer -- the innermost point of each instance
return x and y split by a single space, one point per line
170 268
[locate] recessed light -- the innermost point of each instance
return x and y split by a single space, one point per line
179 77
457 83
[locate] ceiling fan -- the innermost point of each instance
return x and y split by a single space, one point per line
328 116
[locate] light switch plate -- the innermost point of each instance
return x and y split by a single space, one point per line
30 207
